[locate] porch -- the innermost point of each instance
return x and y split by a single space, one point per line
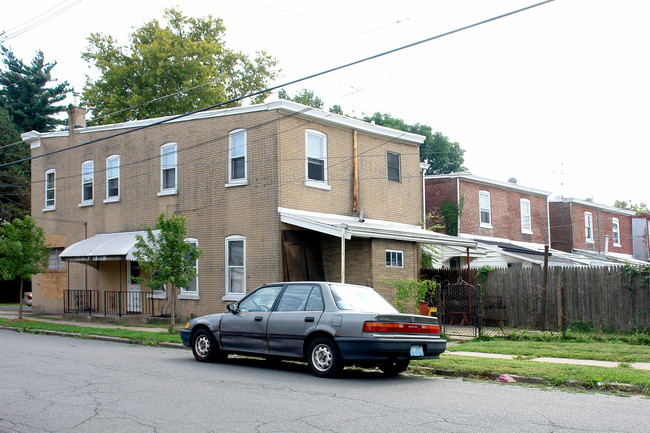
128 306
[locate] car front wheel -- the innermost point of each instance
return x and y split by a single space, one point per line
324 358
204 346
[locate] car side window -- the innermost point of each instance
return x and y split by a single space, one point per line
260 300
295 297
315 302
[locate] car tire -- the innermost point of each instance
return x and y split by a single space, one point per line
394 368
204 346
324 357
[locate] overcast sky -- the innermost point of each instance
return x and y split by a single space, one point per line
557 96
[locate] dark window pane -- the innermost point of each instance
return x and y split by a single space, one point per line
169 178
88 192
315 169
393 166
113 187
238 169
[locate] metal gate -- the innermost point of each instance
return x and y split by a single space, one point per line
459 307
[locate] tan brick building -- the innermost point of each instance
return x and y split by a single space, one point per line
270 192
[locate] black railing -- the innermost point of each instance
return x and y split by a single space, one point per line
77 301
128 302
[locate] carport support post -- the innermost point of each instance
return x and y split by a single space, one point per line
343 227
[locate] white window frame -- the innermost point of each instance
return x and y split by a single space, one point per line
232 181
526 216
399 166
315 183
50 204
589 228
486 196
230 296
54 262
616 232
163 167
90 179
399 257
115 198
192 294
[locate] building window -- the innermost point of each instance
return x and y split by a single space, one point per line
526 225
394 259
616 235
113 178
393 166
484 209
589 231
54 262
237 154
316 161
50 190
168 163
192 289
235 266
87 182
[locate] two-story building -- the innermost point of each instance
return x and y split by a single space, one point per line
270 192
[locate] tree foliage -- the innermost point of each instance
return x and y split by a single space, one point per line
14 179
26 94
23 252
166 258
442 155
304 97
639 209
169 70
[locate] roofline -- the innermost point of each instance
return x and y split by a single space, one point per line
588 203
469 177
289 107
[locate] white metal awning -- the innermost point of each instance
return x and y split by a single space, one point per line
104 247
339 226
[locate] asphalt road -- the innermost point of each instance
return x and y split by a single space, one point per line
59 384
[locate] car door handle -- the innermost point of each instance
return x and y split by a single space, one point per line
309 319
258 318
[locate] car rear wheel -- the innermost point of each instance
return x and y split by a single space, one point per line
324 358
204 347
394 368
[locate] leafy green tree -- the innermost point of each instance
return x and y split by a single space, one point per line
165 258
304 97
23 252
25 92
640 208
170 70
442 155
14 179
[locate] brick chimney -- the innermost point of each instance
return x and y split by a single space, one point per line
76 117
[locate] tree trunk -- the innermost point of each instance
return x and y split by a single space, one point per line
173 321
20 301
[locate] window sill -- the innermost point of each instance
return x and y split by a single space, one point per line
318 184
49 209
86 203
589 241
526 232
236 183
112 200
617 245
188 295
234 297
167 192
157 294
486 226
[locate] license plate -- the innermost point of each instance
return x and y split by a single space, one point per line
417 350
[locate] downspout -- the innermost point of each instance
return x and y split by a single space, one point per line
343 230
570 229
598 225
548 223
457 205
355 168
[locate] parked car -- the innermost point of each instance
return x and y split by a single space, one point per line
27 298
329 325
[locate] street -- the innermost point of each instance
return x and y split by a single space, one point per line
60 384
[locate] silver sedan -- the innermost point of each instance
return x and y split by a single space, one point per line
329 325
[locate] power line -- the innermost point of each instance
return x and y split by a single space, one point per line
17 30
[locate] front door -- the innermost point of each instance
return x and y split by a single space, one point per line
133 300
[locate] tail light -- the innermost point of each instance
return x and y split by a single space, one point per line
401 328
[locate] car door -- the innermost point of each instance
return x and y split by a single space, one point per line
244 330
296 314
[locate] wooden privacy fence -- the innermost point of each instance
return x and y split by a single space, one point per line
600 297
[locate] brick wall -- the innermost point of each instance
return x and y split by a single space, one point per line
436 192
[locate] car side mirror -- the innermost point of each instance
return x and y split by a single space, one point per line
232 308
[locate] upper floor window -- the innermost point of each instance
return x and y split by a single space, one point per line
235 266
237 154
50 189
484 209
393 166
168 163
616 235
87 182
589 231
113 178
192 289
394 259
526 224
316 160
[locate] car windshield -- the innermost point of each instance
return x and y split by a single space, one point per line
360 298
